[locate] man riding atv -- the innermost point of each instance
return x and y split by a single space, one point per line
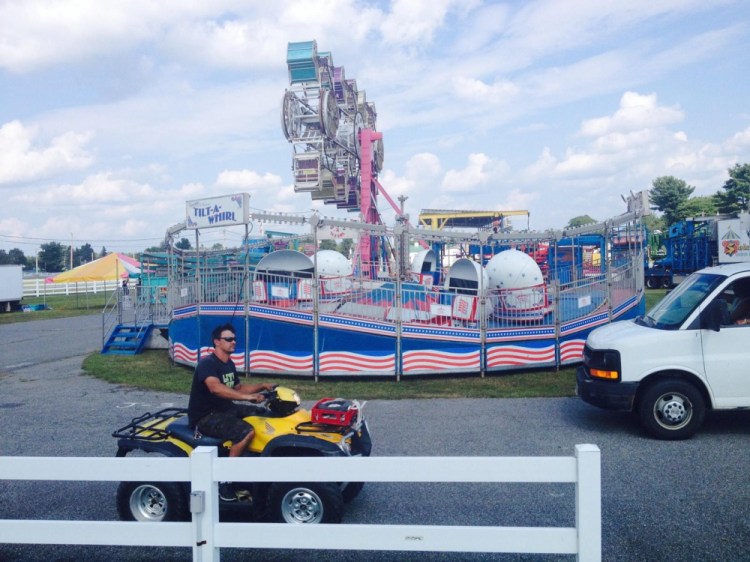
332 428
212 410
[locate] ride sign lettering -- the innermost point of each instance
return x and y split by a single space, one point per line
218 211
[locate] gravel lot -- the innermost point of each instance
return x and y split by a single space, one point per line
661 500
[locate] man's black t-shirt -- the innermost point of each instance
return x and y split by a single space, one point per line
202 402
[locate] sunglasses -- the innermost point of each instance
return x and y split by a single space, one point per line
230 340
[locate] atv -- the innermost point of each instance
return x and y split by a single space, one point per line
333 427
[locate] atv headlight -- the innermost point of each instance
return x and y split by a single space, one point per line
285 401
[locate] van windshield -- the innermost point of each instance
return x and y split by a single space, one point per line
672 311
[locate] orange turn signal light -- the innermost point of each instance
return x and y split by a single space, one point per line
602 374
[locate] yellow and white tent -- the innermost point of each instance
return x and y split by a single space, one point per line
108 268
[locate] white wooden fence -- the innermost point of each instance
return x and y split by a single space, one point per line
38 287
206 536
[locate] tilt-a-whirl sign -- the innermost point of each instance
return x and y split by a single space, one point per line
227 210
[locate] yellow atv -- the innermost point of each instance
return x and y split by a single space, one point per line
333 427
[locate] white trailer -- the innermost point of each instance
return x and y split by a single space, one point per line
11 287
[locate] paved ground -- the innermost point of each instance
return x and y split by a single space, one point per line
661 500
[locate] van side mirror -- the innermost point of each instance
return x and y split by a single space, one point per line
714 315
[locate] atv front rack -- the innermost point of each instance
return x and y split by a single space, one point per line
143 427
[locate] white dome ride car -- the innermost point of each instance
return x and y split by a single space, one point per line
517 281
334 272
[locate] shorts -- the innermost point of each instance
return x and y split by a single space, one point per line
229 424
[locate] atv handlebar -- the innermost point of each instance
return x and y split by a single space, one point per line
267 394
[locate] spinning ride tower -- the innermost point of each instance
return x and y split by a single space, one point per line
337 150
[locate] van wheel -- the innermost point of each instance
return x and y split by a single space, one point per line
672 409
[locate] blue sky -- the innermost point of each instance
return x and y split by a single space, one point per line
114 113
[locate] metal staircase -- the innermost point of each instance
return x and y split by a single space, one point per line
128 320
127 340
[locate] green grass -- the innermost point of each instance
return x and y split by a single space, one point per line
61 306
653 296
152 370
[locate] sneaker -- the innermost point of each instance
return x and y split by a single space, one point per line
226 492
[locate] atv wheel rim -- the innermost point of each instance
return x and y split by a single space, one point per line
148 503
673 411
302 505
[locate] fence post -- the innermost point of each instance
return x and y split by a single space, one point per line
588 503
204 504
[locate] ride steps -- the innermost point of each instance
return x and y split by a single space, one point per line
127 340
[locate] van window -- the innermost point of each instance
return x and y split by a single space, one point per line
672 311
735 302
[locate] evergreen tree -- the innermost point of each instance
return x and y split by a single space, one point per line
736 194
669 195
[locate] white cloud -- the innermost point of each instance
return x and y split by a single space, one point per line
739 142
103 206
546 26
22 161
474 90
541 169
413 22
480 170
635 139
626 151
98 189
247 180
481 184
239 43
39 33
636 112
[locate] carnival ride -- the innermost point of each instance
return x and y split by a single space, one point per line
337 152
507 300
497 221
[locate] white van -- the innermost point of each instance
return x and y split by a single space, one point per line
690 353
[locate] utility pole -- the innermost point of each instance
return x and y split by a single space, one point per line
404 240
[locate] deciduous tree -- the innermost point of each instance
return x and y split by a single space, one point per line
52 256
581 220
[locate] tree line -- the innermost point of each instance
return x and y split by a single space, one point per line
669 195
673 198
52 257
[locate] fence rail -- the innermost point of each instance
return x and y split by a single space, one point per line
206 535
38 287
